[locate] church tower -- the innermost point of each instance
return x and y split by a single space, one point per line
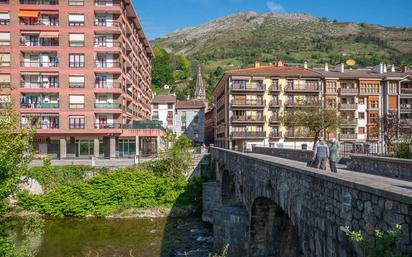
200 90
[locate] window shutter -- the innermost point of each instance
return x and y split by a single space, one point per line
77 99
76 79
5 36
76 37
76 17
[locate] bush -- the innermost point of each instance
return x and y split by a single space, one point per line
403 150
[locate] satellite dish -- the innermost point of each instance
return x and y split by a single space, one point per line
350 62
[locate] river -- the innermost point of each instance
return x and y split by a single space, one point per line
92 237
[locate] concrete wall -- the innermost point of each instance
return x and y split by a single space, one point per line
292 154
383 166
318 205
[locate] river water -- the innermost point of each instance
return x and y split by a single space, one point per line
91 237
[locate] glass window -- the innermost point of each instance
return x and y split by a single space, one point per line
76 2
76 40
76 122
76 60
76 19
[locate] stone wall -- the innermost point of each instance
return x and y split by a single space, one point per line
317 205
212 202
292 154
383 166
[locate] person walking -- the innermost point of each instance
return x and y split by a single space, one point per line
333 154
321 154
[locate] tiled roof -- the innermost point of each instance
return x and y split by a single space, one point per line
190 104
164 99
276 71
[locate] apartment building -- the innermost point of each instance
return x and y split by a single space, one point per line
163 110
79 72
250 101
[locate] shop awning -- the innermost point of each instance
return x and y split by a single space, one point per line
29 14
49 34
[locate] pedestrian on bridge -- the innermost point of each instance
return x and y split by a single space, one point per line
333 154
321 154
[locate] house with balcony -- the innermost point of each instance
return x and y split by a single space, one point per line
164 110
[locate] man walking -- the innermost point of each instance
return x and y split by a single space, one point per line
333 155
321 154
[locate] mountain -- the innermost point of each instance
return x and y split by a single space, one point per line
240 39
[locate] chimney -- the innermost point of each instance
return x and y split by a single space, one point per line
280 63
340 68
393 68
257 64
385 68
378 68
326 67
404 68
305 65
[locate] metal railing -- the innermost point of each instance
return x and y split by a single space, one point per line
275 103
107 64
348 106
350 121
248 102
275 134
25 84
38 2
274 118
248 87
250 134
406 91
248 118
40 22
107 105
348 91
107 23
102 44
39 42
39 64
348 136
302 104
107 2
108 85
274 87
303 87
40 105
107 126
41 126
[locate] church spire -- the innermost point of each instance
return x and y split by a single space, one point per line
200 91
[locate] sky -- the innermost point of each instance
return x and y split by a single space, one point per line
160 17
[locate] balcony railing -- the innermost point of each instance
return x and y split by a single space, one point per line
406 91
275 87
348 91
107 105
406 107
275 134
39 42
107 126
249 134
274 118
40 105
40 2
302 104
40 22
248 102
248 87
302 88
102 44
5 105
49 125
298 134
275 103
108 85
348 136
248 119
348 106
331 91
38 85
369 91
107 2
39 64
350 122
107 64
106 23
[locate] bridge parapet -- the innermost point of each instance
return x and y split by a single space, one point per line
313 206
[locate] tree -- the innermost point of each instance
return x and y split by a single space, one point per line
162 71
390 127
219 72
315 119
15 154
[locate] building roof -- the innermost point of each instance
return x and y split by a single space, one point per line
164 99
360 73
273 70
190 104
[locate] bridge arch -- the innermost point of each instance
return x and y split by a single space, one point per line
272 233
228 187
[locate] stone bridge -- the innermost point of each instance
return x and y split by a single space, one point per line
262 205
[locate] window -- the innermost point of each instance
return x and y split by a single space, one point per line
76 19
169 106
4 60
361 115
183 120
76 101
4 38
361 130
76 2
76 122
155 115
374 104
76 60
4 18
76 81
4 81
170 118
155 106
76 40
361 100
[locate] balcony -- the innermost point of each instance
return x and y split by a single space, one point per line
295 104
274 119
348 91
348 106
53 22
249 134
251 119
275 103
348 136
107 2
331 91
275 134
369 91
107 23
107 105
302 88
39 42
39 64
107 126
406 91
106 43
248 87
298 134
249 103
406 107
349 122
5 105
99 84
42 125
40 2
107 64
28 84
40 105
274 88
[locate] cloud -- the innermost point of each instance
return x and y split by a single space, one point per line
275 7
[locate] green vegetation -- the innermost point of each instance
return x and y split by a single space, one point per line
403 150
382 244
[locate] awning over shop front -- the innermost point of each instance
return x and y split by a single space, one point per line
29 14
49 34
